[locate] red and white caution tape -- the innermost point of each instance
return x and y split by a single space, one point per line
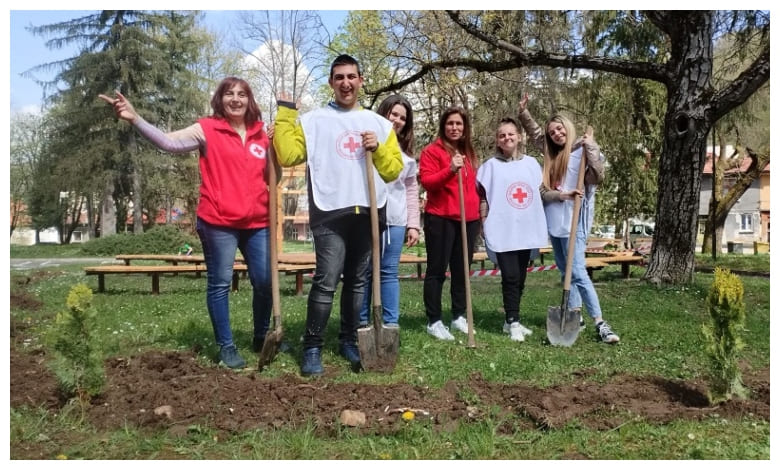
489 272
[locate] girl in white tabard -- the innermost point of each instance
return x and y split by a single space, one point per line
512 217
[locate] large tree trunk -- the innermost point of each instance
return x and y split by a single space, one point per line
686 126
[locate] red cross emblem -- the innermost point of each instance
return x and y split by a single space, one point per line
349 145
519 195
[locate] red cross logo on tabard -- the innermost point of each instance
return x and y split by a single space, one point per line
349 145
519 195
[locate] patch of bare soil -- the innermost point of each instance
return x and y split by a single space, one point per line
171 390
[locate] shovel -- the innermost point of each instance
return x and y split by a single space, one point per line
563 325
273 339
378 344
466 266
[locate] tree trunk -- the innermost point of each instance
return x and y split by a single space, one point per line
686 126
108 212
138 210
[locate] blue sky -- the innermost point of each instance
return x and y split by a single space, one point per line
28 51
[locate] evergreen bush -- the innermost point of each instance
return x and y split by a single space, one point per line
78 362
727 311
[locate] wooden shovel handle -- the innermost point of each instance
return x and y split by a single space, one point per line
273 248
374 213
575 216
466 266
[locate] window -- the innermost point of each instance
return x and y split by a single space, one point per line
746 222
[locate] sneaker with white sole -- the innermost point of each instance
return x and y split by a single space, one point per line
438 330
515 330
606 334
461 324
525 331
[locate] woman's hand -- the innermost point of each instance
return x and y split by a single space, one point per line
569 195
412 237
523 104
270 131
456 163
122 107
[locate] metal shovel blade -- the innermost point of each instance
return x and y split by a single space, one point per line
271 346
378 346
563 326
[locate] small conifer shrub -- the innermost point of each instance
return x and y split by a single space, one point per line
78 362
727 312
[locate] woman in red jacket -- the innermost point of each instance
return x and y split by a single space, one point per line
440 163
233 207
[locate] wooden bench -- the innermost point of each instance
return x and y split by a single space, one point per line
153 271
298 270
625 262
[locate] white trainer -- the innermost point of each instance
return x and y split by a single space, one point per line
438 330
461 324
515 330
523 329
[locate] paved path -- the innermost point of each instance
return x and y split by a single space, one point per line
36 263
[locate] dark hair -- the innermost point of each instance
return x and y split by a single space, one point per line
345 59
405 135
463 145
253 113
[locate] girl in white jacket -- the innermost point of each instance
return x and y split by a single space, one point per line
562 156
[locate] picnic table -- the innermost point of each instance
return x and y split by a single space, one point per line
189 264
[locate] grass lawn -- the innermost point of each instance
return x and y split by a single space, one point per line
660 330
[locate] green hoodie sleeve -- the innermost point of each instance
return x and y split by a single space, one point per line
387 159
289 141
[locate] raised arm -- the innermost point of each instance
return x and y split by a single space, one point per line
185 140
533 131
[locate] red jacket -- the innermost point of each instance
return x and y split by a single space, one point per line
233 192
441 184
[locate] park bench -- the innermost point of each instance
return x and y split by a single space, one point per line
624 260
299 270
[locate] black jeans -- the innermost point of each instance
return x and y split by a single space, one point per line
514 268
443 246
342 247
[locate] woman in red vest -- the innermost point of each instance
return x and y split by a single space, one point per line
233 208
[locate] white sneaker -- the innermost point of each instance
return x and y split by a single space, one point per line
461 324
523 329
438 330
515 330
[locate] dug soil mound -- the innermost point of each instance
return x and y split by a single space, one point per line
173 391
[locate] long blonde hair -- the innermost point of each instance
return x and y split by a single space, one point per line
556 157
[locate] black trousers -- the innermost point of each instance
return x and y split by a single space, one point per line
514 268
343 250
444 247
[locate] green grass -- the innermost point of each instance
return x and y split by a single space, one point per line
660 330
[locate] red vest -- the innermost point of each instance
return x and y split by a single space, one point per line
233 192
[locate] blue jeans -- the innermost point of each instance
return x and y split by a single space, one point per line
342 247
581 285
390 289
219 252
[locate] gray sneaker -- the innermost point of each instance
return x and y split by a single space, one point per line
606 334
438 330
228 357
